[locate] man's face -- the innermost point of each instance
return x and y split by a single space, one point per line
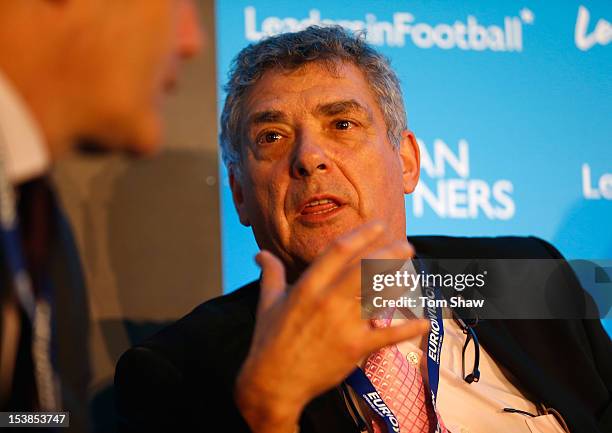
317 162
129 55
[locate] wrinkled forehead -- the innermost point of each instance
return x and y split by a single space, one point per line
334 67
314 88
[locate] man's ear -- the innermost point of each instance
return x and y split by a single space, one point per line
238 196
411 161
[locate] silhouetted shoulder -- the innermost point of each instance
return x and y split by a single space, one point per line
167 382
503 247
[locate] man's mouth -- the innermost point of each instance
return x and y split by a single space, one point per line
169 84
316 207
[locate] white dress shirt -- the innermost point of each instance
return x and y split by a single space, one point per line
476 407
22 146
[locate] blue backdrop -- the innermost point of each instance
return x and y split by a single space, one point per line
510 101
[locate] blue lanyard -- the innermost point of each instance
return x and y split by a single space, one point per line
364 388
10 242
434 348
14 260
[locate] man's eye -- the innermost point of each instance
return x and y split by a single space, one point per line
344 124
269 137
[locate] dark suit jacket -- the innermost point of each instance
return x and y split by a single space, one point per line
182 378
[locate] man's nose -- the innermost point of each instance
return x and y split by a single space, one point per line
310 157
190 35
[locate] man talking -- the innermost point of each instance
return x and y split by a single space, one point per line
71 71
315 140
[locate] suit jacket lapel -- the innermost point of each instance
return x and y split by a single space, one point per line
71 320
536 382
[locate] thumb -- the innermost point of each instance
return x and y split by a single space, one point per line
273 281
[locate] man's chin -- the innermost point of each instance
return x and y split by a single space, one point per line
315 245
89 146
147 139
136 142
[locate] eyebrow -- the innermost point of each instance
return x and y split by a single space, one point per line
328 109
342 107
267 116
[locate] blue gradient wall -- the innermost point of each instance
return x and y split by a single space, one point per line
511 102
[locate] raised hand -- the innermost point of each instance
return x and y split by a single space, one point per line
309 337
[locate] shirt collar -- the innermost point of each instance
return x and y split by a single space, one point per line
22 147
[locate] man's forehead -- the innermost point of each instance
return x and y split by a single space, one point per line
313 88
316 72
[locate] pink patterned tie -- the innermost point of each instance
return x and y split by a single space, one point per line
401 387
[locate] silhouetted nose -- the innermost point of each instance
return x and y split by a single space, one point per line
190 36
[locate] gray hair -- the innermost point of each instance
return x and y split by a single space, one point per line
290 51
